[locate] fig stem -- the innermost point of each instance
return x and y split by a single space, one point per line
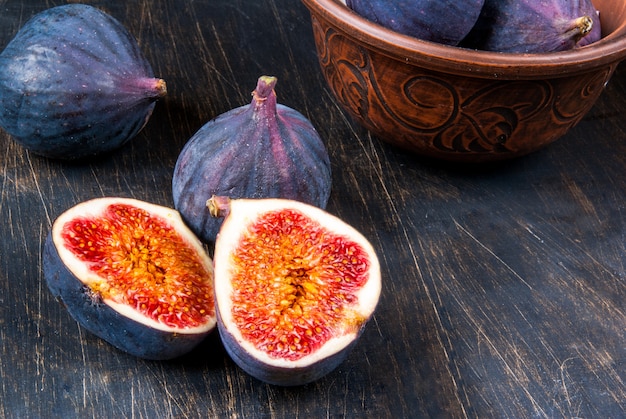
264 88
219 206
581 27
153 87
161 87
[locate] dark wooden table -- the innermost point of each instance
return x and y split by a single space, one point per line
504 287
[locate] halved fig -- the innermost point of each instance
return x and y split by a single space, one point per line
133 274
294 287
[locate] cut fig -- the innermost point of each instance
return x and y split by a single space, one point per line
133 274
259 150
294 287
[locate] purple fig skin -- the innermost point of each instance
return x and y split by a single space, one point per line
260 150
534 26
442 21
100 319
74 84
270 374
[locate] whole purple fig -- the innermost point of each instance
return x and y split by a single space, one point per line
534 26
74 84
260 150
441 21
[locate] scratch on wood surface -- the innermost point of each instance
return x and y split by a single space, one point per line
41 370
132 401
564 380
38 186
95 176
373 159
585 203
3 189
515 373
217 70
602 366
84 359
573 248
170 399
231 393
506 265
532 233
446 343
285 41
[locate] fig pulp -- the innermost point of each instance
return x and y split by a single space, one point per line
133 274
534 26
294 287
260 150
442 21
74 84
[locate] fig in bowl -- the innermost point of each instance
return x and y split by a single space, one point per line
456 103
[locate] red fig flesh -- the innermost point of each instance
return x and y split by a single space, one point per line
133 274
294 288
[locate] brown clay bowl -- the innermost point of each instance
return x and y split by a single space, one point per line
459 104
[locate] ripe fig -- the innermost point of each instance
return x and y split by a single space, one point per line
133 274
74 84
441 21
532 26
294 287
260 150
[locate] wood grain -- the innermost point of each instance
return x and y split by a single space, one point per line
504 286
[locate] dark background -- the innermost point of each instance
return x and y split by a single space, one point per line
503 291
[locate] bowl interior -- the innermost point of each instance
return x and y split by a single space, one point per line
612 16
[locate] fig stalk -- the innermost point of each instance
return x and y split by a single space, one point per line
154 86
580 28
265 89
219 206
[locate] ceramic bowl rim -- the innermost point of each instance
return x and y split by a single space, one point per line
462 61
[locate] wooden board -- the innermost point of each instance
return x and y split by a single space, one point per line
503 290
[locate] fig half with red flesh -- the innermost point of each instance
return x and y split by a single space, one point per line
294 287
132 273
